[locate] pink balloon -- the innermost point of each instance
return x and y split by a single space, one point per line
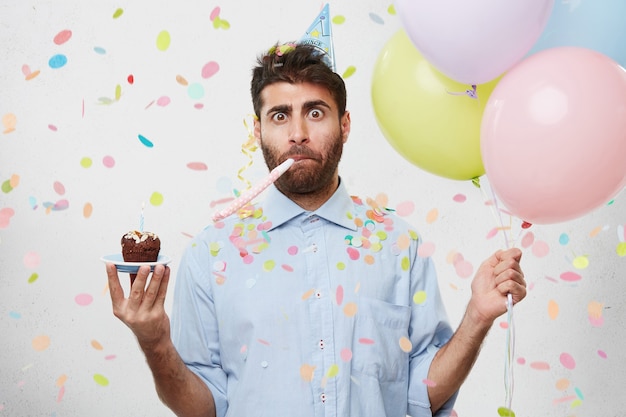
553 135
476 41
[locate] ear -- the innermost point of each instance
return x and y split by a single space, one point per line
345 126
257 130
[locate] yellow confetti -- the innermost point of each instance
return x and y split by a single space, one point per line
163 40
339 20
621 249
581 262
419 297
332 371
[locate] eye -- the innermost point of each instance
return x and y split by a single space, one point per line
279 117
316 114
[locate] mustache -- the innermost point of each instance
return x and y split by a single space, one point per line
299 150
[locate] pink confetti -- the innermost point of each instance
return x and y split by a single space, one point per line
405 209
292 250
459 198
163 101
521 361
493 233
26 70
198 106
339 295
59 188
426 249
528 240
287 268
353 254
32 260
567 361
602 354
108 161
83 299
110 357
52 127
5 217
464 269
61 393
366 341
197 166
570 276
214 13
263 342
210 69
62 37
540 249
346 354
429 383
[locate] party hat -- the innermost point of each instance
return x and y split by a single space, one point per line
320 35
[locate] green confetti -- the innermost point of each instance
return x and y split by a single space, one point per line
33 277
118 13
156 199
349 71
101 380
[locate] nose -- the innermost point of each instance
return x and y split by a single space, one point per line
299 133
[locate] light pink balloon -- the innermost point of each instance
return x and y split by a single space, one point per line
553 135
475 41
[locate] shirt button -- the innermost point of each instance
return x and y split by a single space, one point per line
318 294
321 344
264 364
323 398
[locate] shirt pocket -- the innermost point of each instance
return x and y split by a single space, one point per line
378 330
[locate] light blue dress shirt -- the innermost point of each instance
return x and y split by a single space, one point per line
284 312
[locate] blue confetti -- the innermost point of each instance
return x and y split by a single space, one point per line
57 61
15 315
377 19
99 50
145 141
564 239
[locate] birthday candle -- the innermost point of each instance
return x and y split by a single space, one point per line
247 196
141 217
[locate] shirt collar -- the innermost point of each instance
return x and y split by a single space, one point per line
279 209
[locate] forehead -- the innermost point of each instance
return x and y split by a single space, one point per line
295 95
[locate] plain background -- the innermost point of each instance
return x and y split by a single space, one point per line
62 353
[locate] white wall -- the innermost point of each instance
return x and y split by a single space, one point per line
61 119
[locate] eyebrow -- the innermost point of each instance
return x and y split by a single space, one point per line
285 108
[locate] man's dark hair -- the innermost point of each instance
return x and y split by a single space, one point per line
295 63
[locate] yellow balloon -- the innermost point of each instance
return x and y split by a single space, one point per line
428 118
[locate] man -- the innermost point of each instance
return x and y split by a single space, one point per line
314 302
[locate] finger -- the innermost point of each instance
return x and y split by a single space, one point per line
137 289
115 289
517 291
163 288
132 278
157 285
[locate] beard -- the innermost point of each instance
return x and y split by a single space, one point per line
317 174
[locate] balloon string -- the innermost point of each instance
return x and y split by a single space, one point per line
510 330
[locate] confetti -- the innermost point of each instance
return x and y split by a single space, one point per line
553 309
195 91
32 260
405 344
570 276
459 198
118 12
163 101
163 40
419 297
108 161
156 199
41 343
5 217
62 37
349 72
57 61
83 299
210 69
86 162
567 361
101 380
145 141
33 277
9 121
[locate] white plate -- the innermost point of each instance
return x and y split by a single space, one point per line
132 267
